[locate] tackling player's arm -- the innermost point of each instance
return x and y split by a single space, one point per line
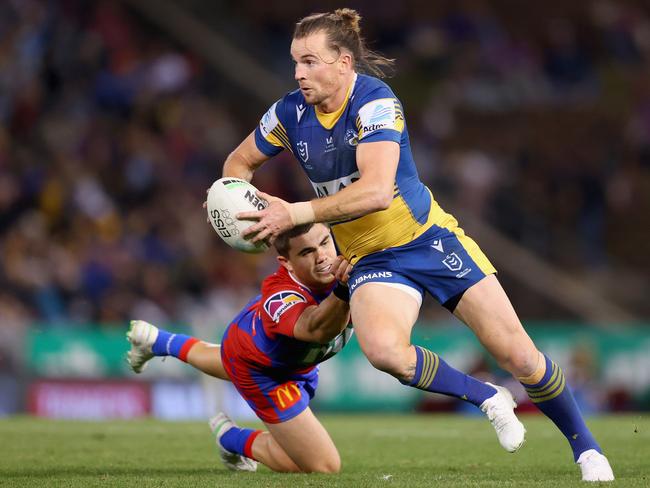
322 323
244 160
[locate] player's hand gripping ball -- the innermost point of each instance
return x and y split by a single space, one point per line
226 198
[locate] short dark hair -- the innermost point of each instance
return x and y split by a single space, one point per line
281 243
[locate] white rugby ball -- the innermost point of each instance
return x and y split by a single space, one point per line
226 198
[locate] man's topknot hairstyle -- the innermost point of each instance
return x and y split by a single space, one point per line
344 32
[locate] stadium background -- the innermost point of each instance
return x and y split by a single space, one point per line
531 122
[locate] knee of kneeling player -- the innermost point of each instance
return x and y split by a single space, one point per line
332 465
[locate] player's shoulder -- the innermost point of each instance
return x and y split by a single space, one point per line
280 292
369 88
286 108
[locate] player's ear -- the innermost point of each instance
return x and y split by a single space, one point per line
345 62
285 262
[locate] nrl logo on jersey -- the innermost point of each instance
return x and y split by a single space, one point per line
303 151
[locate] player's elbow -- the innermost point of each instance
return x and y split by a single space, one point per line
380 200
322 336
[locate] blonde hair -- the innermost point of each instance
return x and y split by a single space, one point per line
343 31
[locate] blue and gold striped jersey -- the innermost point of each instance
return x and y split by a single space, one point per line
325 146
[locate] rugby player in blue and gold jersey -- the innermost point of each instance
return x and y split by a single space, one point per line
348 132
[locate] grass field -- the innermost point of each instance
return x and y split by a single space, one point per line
377 451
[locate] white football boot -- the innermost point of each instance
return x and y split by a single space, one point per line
142 336
499 409
595 466
219 425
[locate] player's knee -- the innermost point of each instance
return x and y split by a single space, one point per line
389 361
329 465
521 361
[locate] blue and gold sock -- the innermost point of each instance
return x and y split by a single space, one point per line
177 345
435 375
554 398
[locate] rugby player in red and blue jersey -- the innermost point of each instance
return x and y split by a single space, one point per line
270 352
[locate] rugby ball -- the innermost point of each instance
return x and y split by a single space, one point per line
226 198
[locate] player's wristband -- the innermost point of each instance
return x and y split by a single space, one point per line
342 292
302 213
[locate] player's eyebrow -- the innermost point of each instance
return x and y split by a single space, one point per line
305 56
306 250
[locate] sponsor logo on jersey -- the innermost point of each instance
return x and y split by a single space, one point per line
280 302
370 276
377 115
286 395
453 262
329 144
303 150
327 188
381 114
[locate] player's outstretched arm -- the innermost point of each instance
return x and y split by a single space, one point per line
324 322
244 160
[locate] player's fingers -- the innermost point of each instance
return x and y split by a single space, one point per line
205 204
346 274
262 235
266 196
339 266
252 215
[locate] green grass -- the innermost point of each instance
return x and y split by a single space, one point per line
377 451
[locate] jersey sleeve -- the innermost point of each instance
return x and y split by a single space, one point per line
380 117
282 306
271 135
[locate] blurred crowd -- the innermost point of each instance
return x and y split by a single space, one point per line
110 135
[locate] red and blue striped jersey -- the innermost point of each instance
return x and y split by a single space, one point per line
262 333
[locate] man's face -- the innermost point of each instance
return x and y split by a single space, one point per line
319 69
310 257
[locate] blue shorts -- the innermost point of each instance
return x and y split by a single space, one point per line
444 262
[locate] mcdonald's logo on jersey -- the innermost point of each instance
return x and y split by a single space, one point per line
280 302
286 395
